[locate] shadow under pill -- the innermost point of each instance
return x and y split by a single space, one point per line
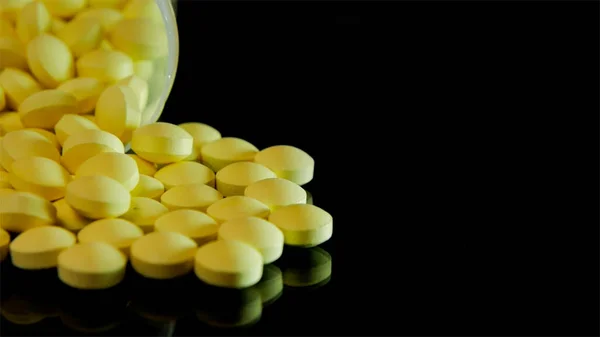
305 267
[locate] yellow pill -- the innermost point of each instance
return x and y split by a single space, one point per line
162 143
106 17
33 20
50 60
234 178
23 144
225 151
41 176
56 25
163 255
139 87
185 172
229 264
12 53
148 187
258 233
142 9
98 197
5 180
70 124
84 144
109 66
68 218
202 134
21 211
117 166
10 121
237 207
140 38
38 248
144 212
10 8
17 85
4 242
117 4
143 69
276 192
48 135
145 167
86 90
117 232
65 8
117 111
288 162
45 108
105 45
303 225
81 36
194 224
6 191
91 265
2 99
7 28
191 196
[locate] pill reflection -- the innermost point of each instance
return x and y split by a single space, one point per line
270 286
305 267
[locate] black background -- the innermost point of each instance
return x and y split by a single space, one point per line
449 140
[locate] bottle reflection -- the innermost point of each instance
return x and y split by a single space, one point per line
305 267
309 198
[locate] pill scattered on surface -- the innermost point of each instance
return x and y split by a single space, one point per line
192 196
17 85
288 162
276 192
228 264
117 232
185 172
163 255
65 8
91 265
5 180
108 66
25 143
144 212
194 224
38 248
117 166
48 135
225 151
4 242
145 167
45 108
162 143
237 207
50 60
234 178
303 225
81 36
10 121
148 187
202 134
21 211
98 197
258 233
12 53
68 218
33 20
84 144
71 124
41 176
86 91
117 111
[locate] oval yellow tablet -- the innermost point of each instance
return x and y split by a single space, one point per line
41 176
84 144
225 151
140 38
10 8
10 121
81 36
70 124
65 8
21 211
108 66
117 232
139 87
86 90
7 28
45 108
306 267
23 144
6 191
33 20
56 25
258 233
276 192
17 85
50 60
303 225
234 178
194 224
229 264
202 134
117 111
144 69
106 17
38 248
237 207
12 53
98 197
162 143
144 212
142 9
163 255
288 162
92 265
117 166
148 187
5 180
191 196
185 172
68 218
117 4
4 242
48 135
145 167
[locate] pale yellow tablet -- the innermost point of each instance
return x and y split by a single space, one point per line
288 162
45 108
4 242
142 9
163 255
234 178
191 196
48 135
33 20
144 69
50 60
81 36
185 172
23 144
117 232
65 8
12 53
56 25
117 166
307 268
144 212
229 264
21 211
258 233
91 265
10 121
84 144
5 180
237 207
194 224
303 225
144 167
17 85
139 87
68 218
38 248
140 38
98 197
86 91
225 151
276 192
162 143
270 286
115 5
108 66
148 187
41 176
6 191
117 111
202 134
70 124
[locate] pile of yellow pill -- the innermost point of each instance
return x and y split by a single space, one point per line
73 93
